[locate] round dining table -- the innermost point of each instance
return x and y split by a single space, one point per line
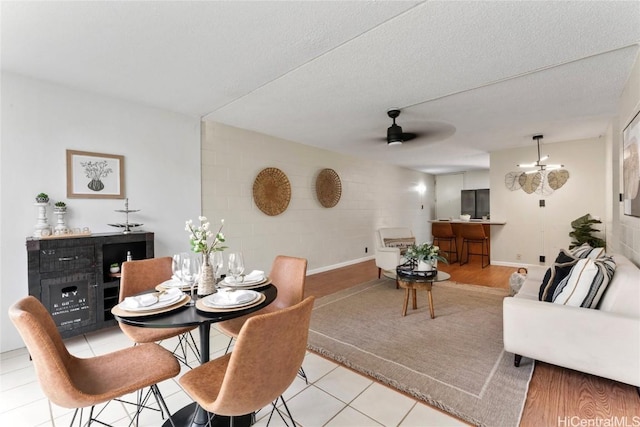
193 415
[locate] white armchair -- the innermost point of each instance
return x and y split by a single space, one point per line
390 244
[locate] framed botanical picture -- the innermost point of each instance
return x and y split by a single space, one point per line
94 175
631 166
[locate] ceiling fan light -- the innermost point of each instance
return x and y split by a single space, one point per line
394 135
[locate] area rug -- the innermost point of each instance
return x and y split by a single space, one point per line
455 362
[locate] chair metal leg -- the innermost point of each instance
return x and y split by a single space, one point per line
303 375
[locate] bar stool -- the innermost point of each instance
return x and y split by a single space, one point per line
474 233
444 231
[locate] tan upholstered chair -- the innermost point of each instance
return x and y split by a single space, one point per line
72 382
144 275
263 364
288 274
443 232
474 233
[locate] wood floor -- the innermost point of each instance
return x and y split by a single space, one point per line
557 396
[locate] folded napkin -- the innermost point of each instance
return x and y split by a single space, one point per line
170 295
254 276
147 300
231 297
141 300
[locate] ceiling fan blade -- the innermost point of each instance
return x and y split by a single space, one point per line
408 136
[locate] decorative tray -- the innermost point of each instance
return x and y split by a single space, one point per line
407 271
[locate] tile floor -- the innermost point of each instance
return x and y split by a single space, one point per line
335 396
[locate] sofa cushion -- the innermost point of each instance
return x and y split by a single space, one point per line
402 243
585 284
554 275
586 251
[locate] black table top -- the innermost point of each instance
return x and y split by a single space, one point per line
190 316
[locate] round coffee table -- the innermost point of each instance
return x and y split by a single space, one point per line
411 284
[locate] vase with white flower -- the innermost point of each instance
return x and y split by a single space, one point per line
199 240
425 256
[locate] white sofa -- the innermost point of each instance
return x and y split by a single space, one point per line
603 342
388 257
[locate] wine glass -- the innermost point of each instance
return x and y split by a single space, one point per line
217 261
190 272
236 265
176 266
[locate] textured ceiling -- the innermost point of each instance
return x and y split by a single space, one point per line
470 77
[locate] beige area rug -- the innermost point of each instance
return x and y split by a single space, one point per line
455 362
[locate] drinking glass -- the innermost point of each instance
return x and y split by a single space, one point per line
190 271
236 265
176 266
217 261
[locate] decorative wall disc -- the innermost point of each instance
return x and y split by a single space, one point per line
557 178
328 188
272 191
529 182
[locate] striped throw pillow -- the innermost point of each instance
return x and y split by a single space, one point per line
586 283
586 251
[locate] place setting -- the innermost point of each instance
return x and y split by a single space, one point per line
227 299
151 303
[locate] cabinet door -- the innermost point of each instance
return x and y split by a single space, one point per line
71 299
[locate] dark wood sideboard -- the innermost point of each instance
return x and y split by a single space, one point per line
71 276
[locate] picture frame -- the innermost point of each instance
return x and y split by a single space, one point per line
631 166
94 175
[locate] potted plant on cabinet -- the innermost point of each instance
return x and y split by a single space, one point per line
60 206
42 198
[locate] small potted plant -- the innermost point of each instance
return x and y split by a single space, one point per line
60 206
426 256
114 268
42 198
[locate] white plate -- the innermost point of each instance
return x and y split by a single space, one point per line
231 299
229 281
174 283
160 304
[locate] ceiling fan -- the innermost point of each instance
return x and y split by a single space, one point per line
538 166
395 136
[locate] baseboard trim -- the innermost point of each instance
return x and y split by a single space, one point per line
339 265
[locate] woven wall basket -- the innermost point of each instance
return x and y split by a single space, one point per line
328 188
272 191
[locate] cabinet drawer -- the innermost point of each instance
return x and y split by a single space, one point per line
70 258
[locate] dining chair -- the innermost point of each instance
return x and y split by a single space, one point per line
78 383
264 362
288 274
442 231
474 233
144 275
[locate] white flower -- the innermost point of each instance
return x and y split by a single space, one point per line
198 236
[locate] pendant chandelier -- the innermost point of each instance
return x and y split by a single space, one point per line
538 166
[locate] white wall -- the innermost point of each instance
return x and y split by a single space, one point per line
627 228
530 230
448 187
39 122
476 179
373 195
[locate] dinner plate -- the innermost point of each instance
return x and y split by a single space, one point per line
173 284
231 299
160 304
230 281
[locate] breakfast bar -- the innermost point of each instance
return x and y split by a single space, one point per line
457 224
